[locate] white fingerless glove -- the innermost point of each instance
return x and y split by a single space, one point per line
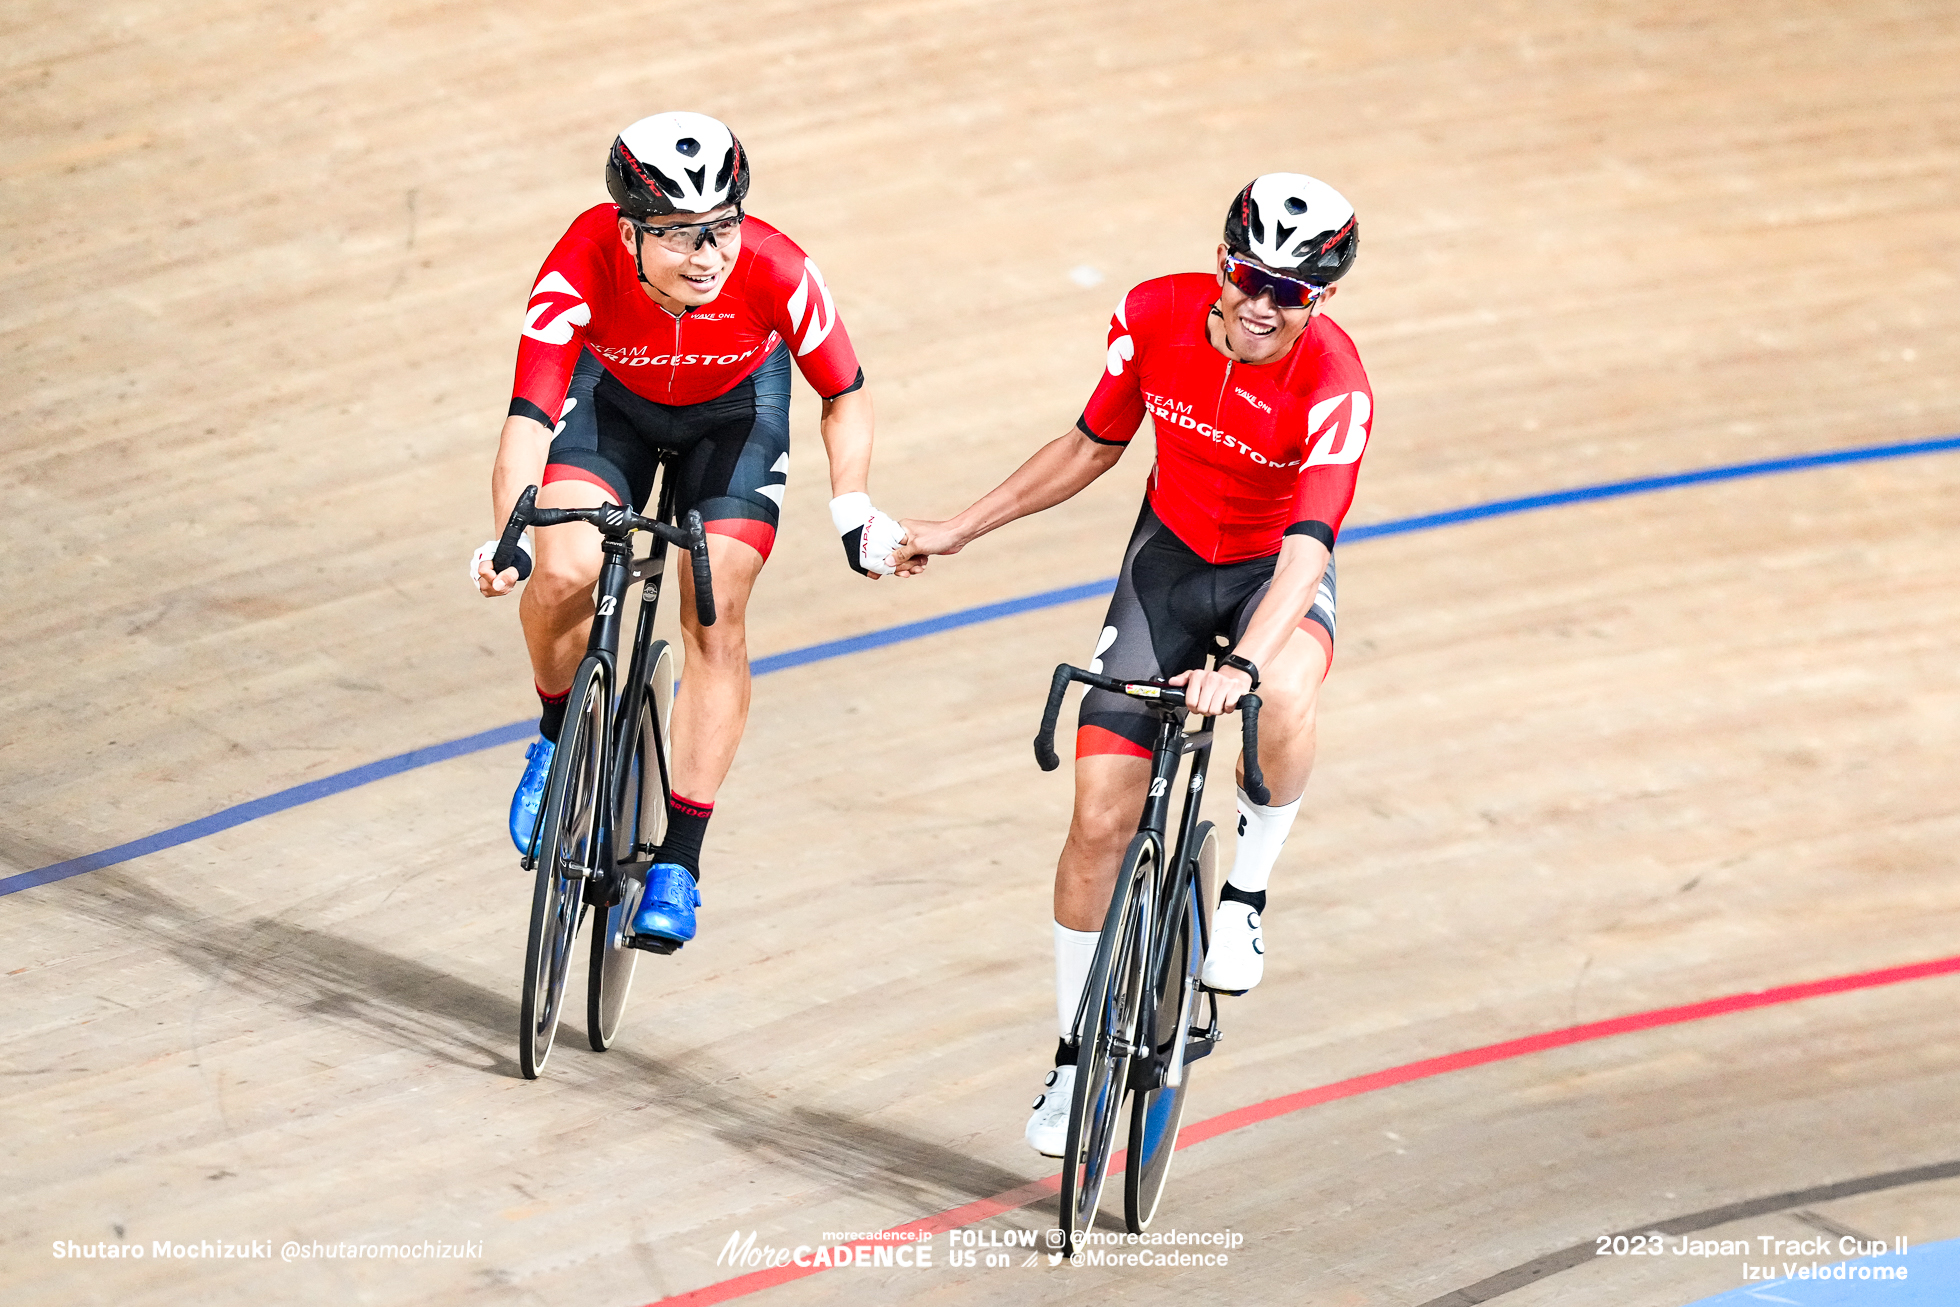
487 553
870 537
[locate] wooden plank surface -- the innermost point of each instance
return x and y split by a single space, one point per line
263 271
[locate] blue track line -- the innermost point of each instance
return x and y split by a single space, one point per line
252 810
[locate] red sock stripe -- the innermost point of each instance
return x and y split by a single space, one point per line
559 697
690 807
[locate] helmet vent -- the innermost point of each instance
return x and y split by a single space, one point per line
727 170
666 183
690 147
697 176
1295 205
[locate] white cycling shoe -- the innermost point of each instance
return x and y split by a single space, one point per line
1047 1129
1237 957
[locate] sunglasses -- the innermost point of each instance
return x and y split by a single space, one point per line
685 238
1255 281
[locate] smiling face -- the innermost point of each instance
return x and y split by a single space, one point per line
680 280
1253 329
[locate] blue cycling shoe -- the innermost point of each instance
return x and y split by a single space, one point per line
665 920
529 798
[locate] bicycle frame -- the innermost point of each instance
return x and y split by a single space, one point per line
618 574
1171 882
1127 1046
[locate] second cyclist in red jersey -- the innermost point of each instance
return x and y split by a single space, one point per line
1261 412
666 322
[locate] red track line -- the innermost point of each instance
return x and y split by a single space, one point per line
954 1218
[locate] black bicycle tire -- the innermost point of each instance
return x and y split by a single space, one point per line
557 907
640 824
1157 1114
1114 989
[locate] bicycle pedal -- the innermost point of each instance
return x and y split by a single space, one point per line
1229 993
652 944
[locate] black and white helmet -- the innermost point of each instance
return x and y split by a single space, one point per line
676 163
1294 224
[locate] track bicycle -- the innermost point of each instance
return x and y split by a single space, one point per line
1135 1027
605 805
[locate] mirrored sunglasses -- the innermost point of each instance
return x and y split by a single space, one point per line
1255 281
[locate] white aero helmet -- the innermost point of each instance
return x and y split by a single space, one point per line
676 163
1294 224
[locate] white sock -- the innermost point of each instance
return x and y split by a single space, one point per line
1262 834
1075 950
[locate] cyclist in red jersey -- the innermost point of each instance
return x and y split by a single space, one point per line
668 320
1261 411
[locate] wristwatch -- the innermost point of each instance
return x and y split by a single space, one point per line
1245 665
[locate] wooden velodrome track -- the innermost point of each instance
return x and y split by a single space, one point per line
263 276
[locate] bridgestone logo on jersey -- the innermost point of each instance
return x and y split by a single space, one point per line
1160 410
634 359
1329 446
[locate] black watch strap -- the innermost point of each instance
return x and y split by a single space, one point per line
1245 665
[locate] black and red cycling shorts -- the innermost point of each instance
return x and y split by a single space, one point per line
734 448
1172 610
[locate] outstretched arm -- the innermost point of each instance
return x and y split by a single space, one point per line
1056 471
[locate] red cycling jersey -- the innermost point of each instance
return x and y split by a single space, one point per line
588 296
1245 455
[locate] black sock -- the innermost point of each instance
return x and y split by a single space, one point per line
1256 899
687 826
1064 1053
552 719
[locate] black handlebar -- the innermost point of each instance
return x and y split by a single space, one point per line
1170 696
615 523
1044 740
1255 779
508 555
696 545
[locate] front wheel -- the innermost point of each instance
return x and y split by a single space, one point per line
1106 1040
1157 1108
568 852
638 829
